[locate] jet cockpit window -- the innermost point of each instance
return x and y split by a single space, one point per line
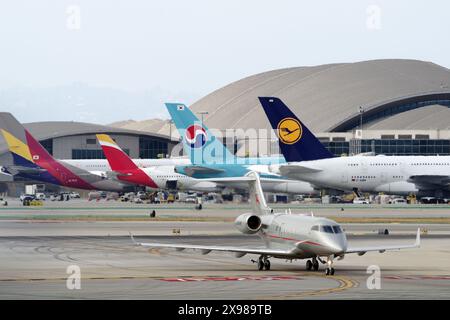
326 229
337 229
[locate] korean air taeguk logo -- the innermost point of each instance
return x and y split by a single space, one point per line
196 136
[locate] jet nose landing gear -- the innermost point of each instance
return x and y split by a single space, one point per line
329 271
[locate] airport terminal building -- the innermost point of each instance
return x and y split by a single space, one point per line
391 107
403 106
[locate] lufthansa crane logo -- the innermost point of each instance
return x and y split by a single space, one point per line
289 130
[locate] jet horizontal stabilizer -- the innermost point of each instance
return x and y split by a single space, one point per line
298 169
13 170
193 170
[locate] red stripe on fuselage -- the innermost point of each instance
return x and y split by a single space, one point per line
43 159
292 239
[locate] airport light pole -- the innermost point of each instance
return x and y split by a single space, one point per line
361 112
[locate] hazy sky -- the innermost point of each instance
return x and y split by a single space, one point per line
186 49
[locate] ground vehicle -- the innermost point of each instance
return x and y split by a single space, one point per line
127 197
137 200
190 199
27 197
112 196
360 201
3 202
74 195
398 201
40 196
141 195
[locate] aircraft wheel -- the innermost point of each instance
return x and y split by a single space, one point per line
332 271
267 265
327 271
309 265
316 265
260 264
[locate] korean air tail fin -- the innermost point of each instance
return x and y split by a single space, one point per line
296 142
257 200
118 160
198 142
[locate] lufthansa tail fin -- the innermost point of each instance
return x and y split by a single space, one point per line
296 142
257 200
118 160
199 143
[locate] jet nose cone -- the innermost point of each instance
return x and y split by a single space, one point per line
339 246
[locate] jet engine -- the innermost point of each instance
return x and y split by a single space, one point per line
248 223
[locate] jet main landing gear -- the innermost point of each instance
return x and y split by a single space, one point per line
312 264
263 263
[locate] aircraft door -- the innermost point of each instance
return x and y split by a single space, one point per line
344 177
383 177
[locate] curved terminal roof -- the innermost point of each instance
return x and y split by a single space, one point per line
327 97
55 129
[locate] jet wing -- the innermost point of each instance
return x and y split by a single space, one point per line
362 250
290 170
192 170
430 181
14 170
239 251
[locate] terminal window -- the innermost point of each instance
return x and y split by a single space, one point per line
152 148
91 153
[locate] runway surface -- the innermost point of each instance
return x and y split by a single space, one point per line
34 257
120 210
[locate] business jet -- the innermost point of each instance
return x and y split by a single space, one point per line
157 177
309 160
287 236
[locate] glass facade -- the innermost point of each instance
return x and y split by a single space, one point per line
402 108
91 154
394 147
389 111
48 145
337 148
152 148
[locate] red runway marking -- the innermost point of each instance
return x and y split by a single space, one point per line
417 277
243 278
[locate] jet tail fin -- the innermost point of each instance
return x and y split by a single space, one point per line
30 158
296 142
118 160
199 142
257 200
